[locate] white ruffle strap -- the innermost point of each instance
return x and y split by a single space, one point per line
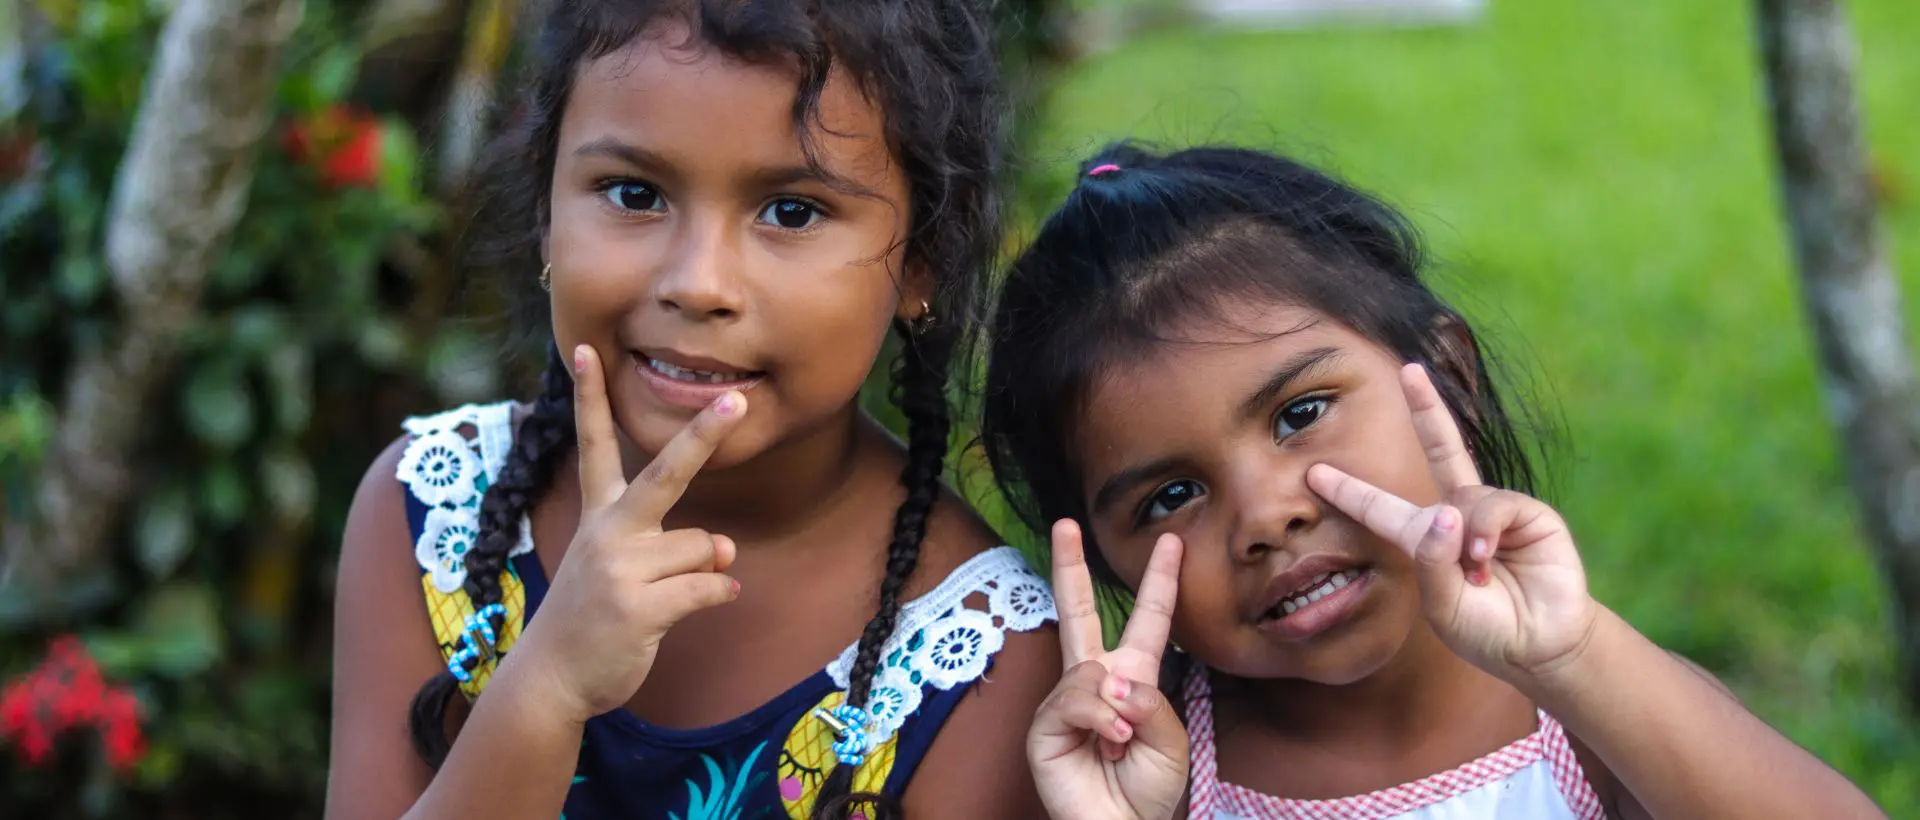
449 471
938 641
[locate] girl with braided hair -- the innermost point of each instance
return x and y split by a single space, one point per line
760 603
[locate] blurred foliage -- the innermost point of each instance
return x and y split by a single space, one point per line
313 341
322 325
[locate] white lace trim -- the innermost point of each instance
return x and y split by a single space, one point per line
449 472
939 641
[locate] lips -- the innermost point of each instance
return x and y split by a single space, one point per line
694 369
690 381
1306 582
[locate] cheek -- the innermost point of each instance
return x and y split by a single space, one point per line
1393 459
829 324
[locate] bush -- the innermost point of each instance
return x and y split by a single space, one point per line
318 332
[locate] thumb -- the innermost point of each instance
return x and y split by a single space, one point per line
1155 723
1437 561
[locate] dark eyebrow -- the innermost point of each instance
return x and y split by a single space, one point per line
1290 371
1123 482
613 147
771 177
1284 377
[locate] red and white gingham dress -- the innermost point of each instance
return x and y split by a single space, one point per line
1535 777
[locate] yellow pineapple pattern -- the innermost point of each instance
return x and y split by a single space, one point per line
449 611
808 758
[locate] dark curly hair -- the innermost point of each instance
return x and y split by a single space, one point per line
1153 239
931 68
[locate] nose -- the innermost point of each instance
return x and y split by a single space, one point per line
699 276
1272 510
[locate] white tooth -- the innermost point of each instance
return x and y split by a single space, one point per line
1318 578
1317 594
1339 580
1288 607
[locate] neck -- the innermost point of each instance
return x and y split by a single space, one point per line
797 481
1425 688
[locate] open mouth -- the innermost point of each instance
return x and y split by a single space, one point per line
1320 586
690 375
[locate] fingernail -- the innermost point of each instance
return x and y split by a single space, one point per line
736 587
580 359
1120 725
728 404
1479 578
1120 688
1480 550
1445 520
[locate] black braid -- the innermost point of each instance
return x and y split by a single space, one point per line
919 389
538 446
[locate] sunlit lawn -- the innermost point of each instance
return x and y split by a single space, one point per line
1595 179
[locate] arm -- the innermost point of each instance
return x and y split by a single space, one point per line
511 761
1675 741
977 766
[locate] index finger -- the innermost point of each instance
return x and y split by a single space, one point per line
601 476
1152 618
1081 638
1385 514
665 479
1447 457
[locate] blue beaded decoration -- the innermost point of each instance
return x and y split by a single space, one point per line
849 722
476 641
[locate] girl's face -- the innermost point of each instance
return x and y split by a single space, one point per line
1210 437
695 250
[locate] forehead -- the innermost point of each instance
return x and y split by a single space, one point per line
698 108
1187 389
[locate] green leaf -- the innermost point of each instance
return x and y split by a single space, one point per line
290 371
179 630
79 276
258 330
399 162
225 494
218 407
289 484
26 425
382 342
163 531
333 74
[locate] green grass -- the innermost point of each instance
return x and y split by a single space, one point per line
1596 181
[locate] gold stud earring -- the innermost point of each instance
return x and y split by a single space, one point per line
925 319
546 278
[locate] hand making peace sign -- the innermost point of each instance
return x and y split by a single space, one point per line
624 580
1506 590
1106 744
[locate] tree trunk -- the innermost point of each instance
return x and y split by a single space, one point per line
181 187
1849 289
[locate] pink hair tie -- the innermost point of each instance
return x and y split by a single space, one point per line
1103 169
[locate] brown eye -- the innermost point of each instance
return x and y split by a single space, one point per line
792 214
634 196
1299 416
1169 498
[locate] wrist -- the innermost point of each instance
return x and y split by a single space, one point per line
1564 675
535 690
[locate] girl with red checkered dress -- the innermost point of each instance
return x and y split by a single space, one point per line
1220 373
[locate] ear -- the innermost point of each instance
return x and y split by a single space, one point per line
916 290
1456 359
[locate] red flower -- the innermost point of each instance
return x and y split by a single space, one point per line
66 691
342 143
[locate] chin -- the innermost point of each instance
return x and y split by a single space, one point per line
650 432
1353 655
